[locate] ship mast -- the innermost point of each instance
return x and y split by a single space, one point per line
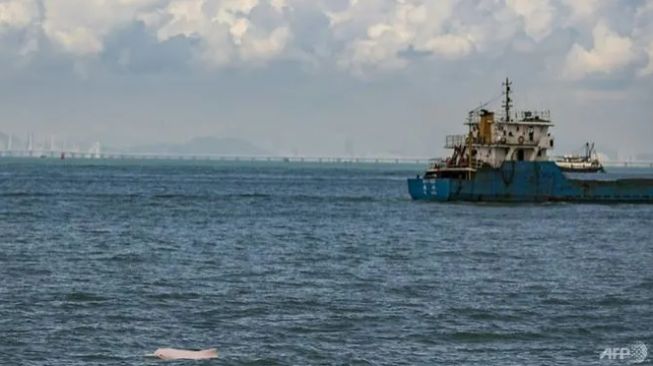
507 104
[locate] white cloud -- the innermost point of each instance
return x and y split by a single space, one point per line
644 33
22 16
265 47
449 46
387 32
180 17
583 9
611 52
79 27
537 16
225 29
648 70
18 13
279 5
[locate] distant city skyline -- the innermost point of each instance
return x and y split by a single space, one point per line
361 77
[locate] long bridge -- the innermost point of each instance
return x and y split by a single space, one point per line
65 155
98 155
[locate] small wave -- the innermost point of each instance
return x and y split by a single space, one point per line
98 357
175 296
97 231
556 301
22 214
260 362
253 195
333 198
127 257
615 301
185 196
484 315
80 297
485 254
644 285
494 337
25 194
168 196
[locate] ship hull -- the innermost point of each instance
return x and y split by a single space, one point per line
582 170
585 167
525 181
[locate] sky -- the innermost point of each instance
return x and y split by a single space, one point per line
323 77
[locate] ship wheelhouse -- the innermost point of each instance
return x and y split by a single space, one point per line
490 141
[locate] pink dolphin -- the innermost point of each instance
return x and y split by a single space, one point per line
180 354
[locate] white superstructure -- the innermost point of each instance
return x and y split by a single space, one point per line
522 136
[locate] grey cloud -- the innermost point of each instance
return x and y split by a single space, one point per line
134 49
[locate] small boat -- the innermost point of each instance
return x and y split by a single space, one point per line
585 163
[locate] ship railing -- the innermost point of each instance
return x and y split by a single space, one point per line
533 116
437 163
514 140
453 141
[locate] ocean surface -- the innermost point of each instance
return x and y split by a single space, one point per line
306 264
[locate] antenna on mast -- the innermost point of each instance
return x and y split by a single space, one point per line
507 103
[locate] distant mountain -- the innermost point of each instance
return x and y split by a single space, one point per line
204 146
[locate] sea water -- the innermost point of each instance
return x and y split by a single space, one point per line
305 264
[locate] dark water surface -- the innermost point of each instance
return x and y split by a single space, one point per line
297 264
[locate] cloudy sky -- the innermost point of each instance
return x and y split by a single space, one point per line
323 77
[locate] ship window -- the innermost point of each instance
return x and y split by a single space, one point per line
539 153
551 143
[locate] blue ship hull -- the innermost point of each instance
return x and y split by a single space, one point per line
526 181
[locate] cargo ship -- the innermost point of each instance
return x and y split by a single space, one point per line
504 158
